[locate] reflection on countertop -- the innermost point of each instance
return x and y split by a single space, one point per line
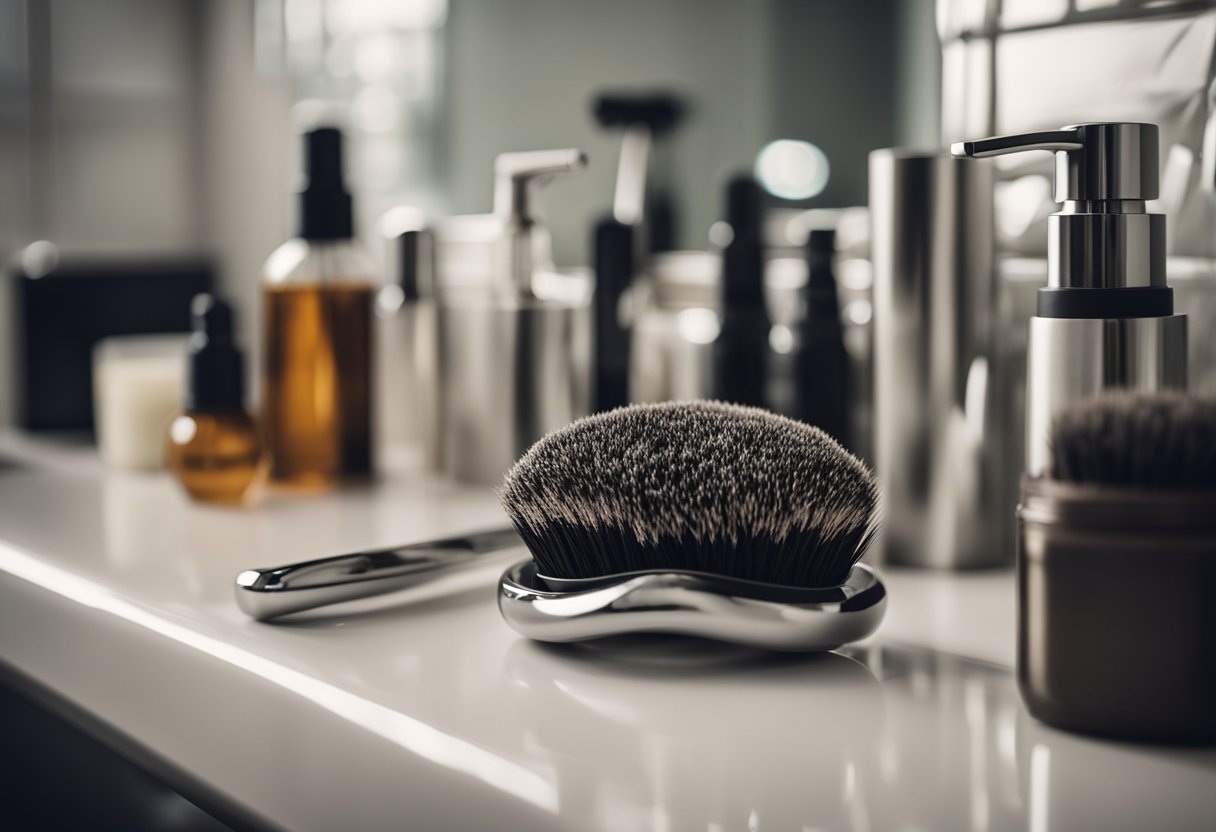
679 735
115 592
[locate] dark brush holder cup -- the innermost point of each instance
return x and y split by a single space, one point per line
1117 610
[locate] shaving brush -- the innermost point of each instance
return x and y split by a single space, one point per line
712 500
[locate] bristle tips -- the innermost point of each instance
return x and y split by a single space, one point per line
1136 440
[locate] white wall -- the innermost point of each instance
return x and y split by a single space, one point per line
98 138
522 75
123 138
167 137
247 163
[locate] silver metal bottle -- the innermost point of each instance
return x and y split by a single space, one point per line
1106 318
936 429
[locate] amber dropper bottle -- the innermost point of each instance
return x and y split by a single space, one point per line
213 447
317 318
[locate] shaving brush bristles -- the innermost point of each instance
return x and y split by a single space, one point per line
1136 440
698 486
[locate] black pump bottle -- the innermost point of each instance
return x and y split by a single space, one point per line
820 364
741 351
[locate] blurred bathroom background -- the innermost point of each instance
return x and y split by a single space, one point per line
135 129
164 130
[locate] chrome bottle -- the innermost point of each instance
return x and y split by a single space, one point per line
514 352
1106 317
937 431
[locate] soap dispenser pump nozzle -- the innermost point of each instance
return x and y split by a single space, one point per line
518 180
1104 237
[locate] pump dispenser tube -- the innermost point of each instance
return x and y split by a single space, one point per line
1106 318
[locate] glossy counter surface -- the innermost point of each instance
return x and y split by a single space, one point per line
116 593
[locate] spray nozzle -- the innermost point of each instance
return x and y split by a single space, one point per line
325 208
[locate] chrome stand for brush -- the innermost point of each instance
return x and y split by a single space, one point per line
755 614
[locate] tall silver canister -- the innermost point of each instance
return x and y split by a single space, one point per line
938 436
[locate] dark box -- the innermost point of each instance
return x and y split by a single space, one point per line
60 316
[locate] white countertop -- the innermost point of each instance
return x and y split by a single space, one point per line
116 592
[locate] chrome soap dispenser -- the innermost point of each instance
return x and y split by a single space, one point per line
515 349
1106 317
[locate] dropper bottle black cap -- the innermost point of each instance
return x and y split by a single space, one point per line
215 375
326 211
743 257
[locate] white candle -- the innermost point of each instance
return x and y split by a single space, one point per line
137 390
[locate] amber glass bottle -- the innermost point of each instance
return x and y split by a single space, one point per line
215 455
317 319
213 447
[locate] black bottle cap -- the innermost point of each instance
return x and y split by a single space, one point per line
744 207
743 257
822 303
215 374
326 211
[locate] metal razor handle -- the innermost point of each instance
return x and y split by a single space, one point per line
269 593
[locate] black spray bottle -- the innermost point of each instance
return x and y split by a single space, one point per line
741 351
613 245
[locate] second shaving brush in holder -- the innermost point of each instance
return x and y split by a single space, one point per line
1117 571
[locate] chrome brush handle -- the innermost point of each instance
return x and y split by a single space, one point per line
696 604
295 587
